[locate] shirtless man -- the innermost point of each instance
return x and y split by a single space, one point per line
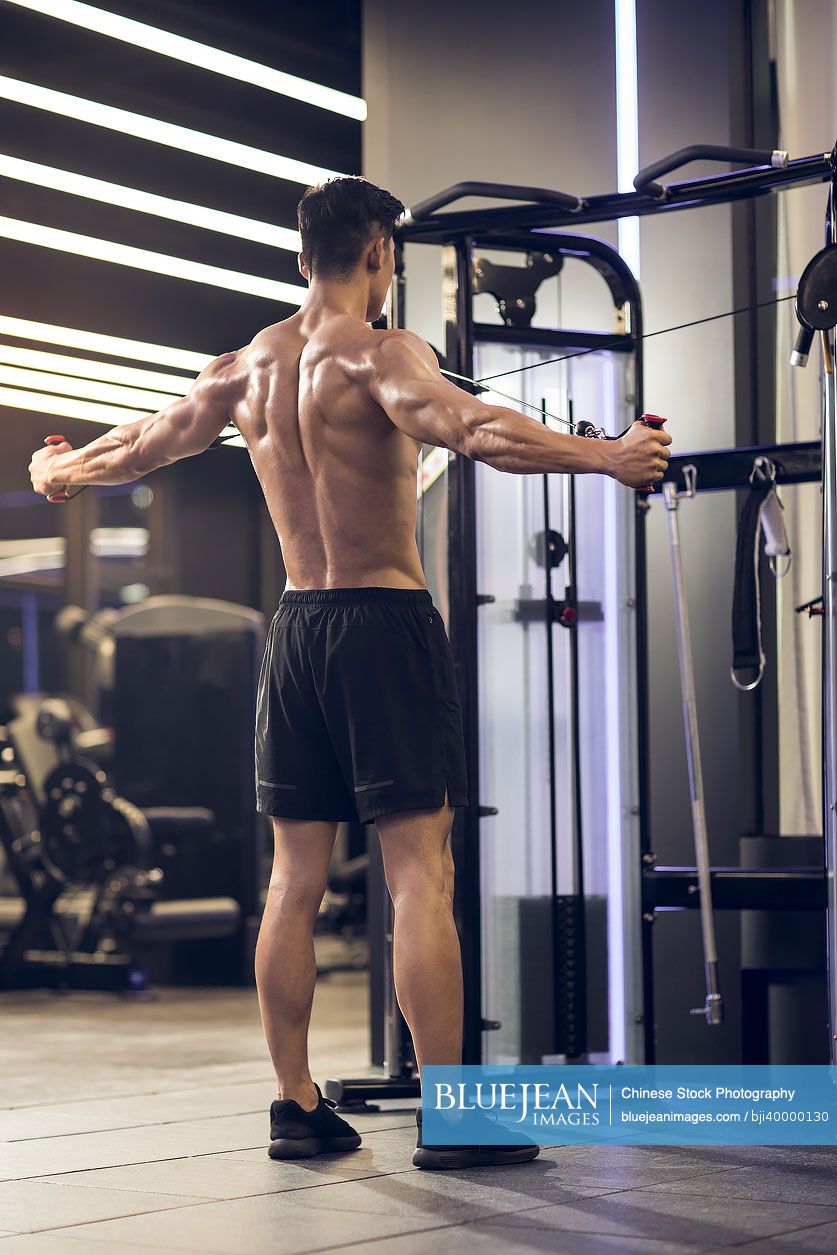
358 715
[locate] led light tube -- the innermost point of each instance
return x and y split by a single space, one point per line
145 259
140 35
149 203
98 342
111 394
66 407
158 132
86 368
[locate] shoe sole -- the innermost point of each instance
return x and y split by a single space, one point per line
486 1157
306 1147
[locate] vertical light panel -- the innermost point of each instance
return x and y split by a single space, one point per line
620 756
627 124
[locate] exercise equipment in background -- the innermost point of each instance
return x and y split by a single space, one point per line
177 684
87 904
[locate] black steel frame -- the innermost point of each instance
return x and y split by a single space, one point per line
531 226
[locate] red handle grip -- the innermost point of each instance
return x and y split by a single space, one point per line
655 421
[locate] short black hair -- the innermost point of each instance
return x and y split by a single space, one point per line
338 219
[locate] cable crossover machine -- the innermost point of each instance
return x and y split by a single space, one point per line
558 885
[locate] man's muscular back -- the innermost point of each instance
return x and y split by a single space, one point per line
334 414
338 476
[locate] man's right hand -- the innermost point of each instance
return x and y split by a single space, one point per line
640 457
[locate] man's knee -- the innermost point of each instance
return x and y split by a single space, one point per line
295 895
421 879
416 853
450 871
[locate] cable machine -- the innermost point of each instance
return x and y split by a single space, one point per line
548 620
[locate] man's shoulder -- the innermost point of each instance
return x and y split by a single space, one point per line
401 347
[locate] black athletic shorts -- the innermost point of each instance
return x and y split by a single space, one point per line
358 714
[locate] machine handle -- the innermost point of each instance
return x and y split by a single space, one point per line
804 340
655 421
495 191
645 180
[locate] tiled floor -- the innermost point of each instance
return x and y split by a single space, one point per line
130 1125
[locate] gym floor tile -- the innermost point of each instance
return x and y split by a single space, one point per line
222 1176
254 1226
125 1146
451 1196
98 1045
482 1238
802 1183
628 1167
815 1240
166 1107
742 1156
151 1133
689 1218
94 1116
59 1244
31 1206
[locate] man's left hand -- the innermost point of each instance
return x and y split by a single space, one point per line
42 469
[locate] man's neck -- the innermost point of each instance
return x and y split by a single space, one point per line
327 297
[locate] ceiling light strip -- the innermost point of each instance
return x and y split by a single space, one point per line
98 342
158 132
111 394
66 407
145 259
190 51
86 368
38 175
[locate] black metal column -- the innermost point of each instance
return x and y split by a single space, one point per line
462 582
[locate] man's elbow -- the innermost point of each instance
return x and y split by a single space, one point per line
478 442
136 456
469 437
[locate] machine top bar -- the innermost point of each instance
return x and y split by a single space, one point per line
690 194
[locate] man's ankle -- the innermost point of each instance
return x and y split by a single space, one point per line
302 1093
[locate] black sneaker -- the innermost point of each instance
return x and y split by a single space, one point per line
440 1157
298 1134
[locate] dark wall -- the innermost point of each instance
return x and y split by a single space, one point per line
208 513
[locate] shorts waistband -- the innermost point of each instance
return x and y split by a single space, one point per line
354 596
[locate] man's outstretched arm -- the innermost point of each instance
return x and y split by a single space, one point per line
409 387
182 429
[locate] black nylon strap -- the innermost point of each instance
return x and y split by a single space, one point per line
747 652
